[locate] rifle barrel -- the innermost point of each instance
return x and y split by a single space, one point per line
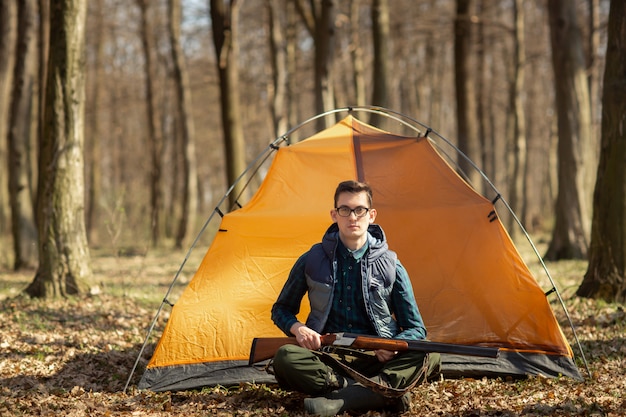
468 350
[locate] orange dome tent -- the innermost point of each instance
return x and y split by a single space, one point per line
470 282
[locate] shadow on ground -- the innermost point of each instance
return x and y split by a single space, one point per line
105 372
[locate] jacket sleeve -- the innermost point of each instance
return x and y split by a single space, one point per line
405 307
287 306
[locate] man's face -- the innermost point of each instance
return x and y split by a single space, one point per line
352 227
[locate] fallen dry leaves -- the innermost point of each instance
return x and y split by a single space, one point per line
73 358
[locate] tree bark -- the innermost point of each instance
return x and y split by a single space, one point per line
606 273
44 49
293 110
64 260
20 137
593 44
93 150
465 95
324 53
380 74
570 237
319 20
356 52
518 158
155 140
278 61
189 207
224 18
435 52
481 95
8 36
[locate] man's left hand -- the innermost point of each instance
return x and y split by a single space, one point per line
384 355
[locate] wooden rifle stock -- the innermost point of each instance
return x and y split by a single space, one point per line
264 348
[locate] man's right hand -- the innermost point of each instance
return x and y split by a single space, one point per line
306 337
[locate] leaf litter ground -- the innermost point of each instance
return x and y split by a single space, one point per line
73 357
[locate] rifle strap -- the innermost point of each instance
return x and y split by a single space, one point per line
376 383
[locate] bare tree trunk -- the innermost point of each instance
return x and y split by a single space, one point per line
540 140
380 37
155 141
190 180
20 134
606 274
172 151
44 49
593 42
224 18
64 260
481 100
485 94
356 51
492 142
94 154
280 75
293 114
576 156
8 36
324 52
434 51
319 20
465 95
518 161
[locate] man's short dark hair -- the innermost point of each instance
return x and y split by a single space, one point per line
354 187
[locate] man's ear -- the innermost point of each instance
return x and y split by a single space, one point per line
333 215
372 213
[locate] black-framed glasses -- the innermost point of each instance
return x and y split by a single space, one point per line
345 211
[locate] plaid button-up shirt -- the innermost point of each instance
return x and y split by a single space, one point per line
348 309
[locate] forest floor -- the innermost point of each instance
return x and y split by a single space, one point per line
74 357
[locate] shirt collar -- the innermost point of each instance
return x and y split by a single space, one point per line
356 254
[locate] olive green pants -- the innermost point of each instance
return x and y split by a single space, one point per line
314 373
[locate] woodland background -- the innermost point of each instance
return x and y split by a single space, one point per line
173 113
134 133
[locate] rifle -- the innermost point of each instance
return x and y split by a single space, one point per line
265 347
